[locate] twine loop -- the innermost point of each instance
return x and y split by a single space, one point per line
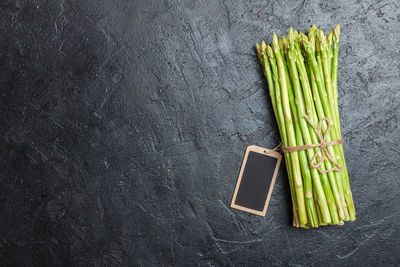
323 144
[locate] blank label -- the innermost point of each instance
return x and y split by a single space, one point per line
256 180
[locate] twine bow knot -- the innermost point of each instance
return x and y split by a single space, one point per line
322 145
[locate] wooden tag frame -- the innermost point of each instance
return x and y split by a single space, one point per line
264 151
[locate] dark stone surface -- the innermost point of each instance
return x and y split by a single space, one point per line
123 125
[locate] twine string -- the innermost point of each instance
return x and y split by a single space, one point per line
322 146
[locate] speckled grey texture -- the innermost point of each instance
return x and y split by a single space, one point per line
123 125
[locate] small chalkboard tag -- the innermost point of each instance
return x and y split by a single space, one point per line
256 180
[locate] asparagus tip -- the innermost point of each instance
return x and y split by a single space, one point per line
291 38
258 48
312 42
312 30
321 34
290 31
295 35
305 39
275 43
321 39
280 42
330 37
308 43
337 31
263 44
314 27
269 52
274 39
285 43
263 47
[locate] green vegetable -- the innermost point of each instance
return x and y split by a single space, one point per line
294 159
301 73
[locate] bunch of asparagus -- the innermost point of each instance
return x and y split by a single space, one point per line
301 72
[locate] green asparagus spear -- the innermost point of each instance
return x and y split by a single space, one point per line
324 177
281 120
307 87
334 119
327 113
305 104
298 183
305 170
346 182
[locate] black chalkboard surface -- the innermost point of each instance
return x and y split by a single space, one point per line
256 180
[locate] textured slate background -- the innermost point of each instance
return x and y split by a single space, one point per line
123 125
